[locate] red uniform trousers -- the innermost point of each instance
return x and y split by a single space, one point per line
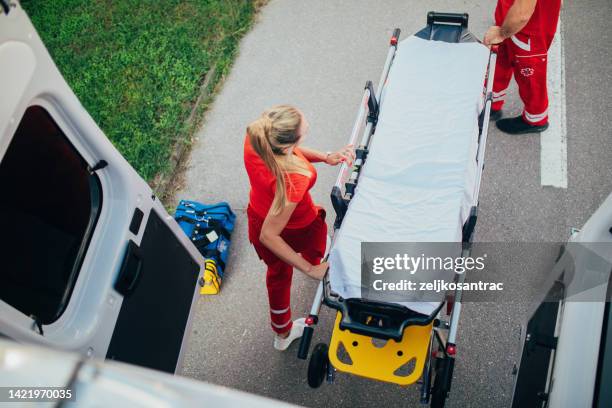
309 241
525 55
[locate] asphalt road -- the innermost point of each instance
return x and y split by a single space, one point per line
317 55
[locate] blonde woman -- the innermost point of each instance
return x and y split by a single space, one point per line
286 228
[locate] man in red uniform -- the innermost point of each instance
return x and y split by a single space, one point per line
524 31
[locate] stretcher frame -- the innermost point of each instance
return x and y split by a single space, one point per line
439 352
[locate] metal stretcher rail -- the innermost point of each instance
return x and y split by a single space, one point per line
368 108
471 223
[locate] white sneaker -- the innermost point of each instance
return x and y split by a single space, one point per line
296 332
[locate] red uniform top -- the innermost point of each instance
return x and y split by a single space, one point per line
263 188
543 21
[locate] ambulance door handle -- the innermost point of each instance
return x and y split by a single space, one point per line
131 270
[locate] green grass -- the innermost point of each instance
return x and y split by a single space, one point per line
137 65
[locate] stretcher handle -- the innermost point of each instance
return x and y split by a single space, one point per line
434 17
305 342
361 117
394 38
401 317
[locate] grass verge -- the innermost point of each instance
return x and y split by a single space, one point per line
138 66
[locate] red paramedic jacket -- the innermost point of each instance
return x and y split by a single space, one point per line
543 22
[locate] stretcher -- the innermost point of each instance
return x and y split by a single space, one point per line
420 144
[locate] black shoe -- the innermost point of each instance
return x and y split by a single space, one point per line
495 115
517 126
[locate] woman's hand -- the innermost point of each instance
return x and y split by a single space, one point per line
346 154
318 271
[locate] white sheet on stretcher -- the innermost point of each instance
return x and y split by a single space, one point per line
417 184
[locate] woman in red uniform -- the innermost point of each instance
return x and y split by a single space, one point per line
286 228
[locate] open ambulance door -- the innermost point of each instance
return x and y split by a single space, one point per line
566 342
91 261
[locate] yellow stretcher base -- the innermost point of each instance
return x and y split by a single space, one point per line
390 362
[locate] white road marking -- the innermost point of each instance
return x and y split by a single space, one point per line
553 142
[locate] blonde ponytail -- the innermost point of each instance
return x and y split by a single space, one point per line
271 135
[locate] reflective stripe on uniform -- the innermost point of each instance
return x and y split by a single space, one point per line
497 96
536 118
279 311
280 326
525 46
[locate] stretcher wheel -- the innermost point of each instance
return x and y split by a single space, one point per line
318 365
439 391
438 396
